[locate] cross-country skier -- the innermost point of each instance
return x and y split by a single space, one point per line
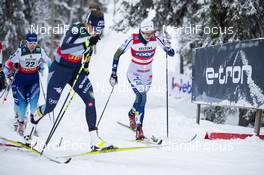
77 42
139 74
2 76
22 70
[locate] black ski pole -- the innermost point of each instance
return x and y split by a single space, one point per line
167 96
59 116
3 92
10 84
8 89
101 116
6 94
53 117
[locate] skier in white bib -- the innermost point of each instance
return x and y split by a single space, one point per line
22 71
139 74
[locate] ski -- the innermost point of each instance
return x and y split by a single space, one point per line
110 150
153 140
117 149
145 141
15 146
120 149
32 150
9 145
148 141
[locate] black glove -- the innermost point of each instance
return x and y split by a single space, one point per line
113 79
93 40
170 51
2 81
16 66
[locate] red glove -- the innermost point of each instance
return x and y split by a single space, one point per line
9 64
12 67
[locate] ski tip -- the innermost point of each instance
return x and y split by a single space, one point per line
68 160
194 137
160 142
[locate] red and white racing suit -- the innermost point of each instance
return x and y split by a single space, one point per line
139 73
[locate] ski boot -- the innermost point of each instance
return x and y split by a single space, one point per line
21 127
139 132
132 118
31 127
36 118
35 132
97 143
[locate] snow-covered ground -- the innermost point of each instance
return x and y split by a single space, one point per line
198 157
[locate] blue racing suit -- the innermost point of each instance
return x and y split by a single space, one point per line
64 70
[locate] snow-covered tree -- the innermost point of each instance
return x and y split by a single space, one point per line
130 13
13 24
246 18
46 17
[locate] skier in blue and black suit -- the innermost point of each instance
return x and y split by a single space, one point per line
77 43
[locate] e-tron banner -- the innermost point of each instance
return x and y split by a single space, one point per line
229 74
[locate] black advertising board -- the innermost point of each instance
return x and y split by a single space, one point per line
229 74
